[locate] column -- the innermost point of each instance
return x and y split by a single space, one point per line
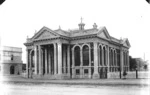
27 64
121 60
113 60
89 62
45 61
116 62
96 75
81 63
40 61
68 59
73 70
128 60
35 56
59 58
30 68
108 61
49 62
55 59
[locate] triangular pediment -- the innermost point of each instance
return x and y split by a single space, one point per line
126 43
104 34
45 33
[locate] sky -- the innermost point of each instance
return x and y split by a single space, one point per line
122 18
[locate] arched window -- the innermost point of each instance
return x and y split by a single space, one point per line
100 55
111 64
124 58
12 69
77 55
104 51
85 55
114 58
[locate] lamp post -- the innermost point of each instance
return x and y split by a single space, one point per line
136 73
119 72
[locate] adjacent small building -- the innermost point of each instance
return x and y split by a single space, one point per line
10 60
80 53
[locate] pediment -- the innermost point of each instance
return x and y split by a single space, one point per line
104 34
45 33
126 43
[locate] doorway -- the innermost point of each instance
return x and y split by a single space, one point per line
12 69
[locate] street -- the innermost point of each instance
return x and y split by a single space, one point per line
57 89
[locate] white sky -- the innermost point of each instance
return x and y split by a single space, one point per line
122 18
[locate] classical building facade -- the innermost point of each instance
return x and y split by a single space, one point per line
80 53
10 60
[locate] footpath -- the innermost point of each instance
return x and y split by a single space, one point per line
98 82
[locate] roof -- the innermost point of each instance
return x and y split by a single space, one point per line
46 33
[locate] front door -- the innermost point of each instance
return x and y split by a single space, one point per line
12 69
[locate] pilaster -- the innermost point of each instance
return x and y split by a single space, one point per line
81 63
95 75
27 64
73 64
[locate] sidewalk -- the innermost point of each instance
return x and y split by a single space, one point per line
101 82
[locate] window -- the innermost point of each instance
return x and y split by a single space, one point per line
85 71
77 56
12 57
85 55
77 71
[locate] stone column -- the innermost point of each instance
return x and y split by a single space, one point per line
121 60
95 75
55 59
73 64
89 62
81 63
68 59
116 61
49 60
40 61
30 61
27 64
108 61
128 60
35 56
60 58
45 61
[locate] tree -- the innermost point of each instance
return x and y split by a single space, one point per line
138 63
132 63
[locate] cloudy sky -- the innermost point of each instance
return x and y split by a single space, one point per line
122 18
